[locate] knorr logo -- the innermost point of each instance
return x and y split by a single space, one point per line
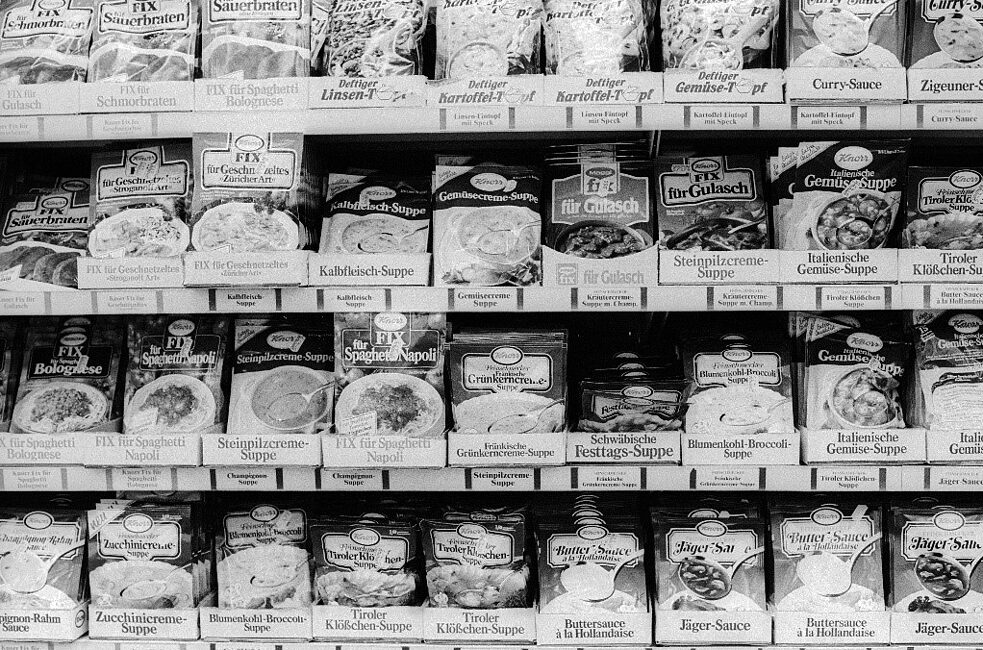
711 528
965 323
867 342
181 327
637 391
736 355
489 182
705 165
264 513
592 533
853 158
390 321
827 516
949 520
471 531
54 203
285 340
138 523
38 520
377 193
364 536
143 157
506 355
965 178
73 340
249 143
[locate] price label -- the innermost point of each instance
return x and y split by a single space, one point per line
854 298
245 300
485 299
595 118
127 302
354 299
474 118
129 126
755 298
721 117
354 479
487 480
627 299
728 478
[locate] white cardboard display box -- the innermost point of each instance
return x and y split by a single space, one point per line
719 267
514 90
712 628
627 88
756 449
936 629
832 629
846 85
393 624
399 91
839 267
261 450
596 627
256 624
140 450
650 447
638 270
392 269
926 265
267 269
764 86
42 449
130 272
383 452
137 97
475 626
279 94
134 624
954 447
40 99
848 446
945 84
44 624
504 449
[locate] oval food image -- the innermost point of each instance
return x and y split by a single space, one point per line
857 221
278 398
509 413
141 584
244 227
173 403
271 576
865 398
402 404
61 407
148 231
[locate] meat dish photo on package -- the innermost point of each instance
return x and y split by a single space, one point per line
376 213
946 35
70 376
860 34
595 37
43 234
139 201
255 39
176 380
718 34
370 39
43 43
847 195
488 38
934 551
945 208
390 372
249 192
600 209
144 42
714 203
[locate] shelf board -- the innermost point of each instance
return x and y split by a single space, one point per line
835 478
90 644
501 120
767 297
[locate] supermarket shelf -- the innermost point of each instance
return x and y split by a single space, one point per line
90 644
500 119
490 299
832 478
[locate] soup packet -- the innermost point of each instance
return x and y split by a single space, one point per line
694 558
479 564
949 369
143 556
595 37
945 208
580 544
601 209
376 213
176 377
847 195
846 35
854 376
139 201
283 376
631 405
263 558
45 231
43 555
488 38
390 372
712 203
932 552
144 42
375 39
249 193
70 376
508 382
320 25
487 225
256 40
371 562
781 190
44 43
945 35
737 384
719 34
811 543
